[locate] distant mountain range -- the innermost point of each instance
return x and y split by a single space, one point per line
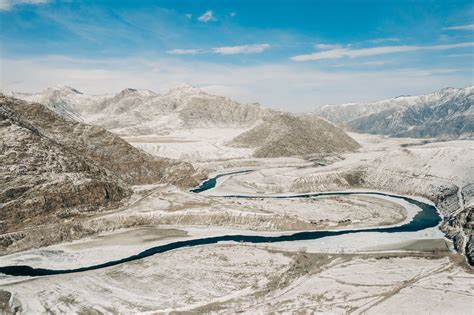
446 114
142 112
138 112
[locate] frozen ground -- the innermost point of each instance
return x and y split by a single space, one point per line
375 273
441 172
254 279
193 144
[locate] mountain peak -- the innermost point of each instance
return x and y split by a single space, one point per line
448 90
135 92
63 89
402 96
185 88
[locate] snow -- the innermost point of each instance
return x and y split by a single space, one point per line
126 242
193 145
254 280
345 273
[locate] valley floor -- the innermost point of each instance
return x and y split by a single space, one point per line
255 279
375 273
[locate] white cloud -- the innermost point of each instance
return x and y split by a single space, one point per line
467 27
374 51
232 14
293 87
188 15
326 46
6 5
228 50
244 49
207 17
185 51
383 40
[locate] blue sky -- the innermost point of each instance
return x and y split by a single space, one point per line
294 55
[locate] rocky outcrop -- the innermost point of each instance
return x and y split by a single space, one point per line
288 135
459 226
459 229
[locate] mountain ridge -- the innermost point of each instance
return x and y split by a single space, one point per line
446 113
135 112
287 135
52 167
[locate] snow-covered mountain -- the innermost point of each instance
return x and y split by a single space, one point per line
52 168
60 99
291 135
447 113
135 112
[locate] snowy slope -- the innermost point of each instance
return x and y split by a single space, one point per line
447 113
142 112
61 99
290 135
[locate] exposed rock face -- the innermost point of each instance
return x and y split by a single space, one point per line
459 229
51 167
5 297
288 135
444 114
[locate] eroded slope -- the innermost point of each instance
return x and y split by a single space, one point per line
52 168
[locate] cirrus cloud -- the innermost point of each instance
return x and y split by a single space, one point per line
326 46
6 5
243 49
467 27
373 51
227 50
185 51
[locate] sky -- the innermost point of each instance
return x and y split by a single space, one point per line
294 55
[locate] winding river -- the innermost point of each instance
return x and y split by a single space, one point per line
426 218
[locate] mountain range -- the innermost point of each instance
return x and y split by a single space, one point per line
133 112
445 114
142 112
